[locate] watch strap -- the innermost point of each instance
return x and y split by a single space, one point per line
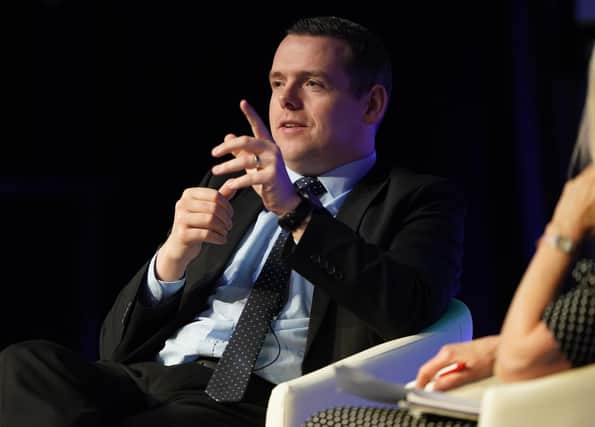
293 219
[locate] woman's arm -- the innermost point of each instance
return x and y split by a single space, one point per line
527 347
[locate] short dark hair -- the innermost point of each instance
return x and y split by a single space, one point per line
369 63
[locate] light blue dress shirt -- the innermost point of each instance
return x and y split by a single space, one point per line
208 334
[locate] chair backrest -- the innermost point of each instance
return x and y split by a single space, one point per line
458 314
398 360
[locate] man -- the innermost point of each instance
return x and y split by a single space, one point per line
374 254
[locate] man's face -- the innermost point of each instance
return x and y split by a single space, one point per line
315 119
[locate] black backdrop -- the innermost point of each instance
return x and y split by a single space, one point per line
127 98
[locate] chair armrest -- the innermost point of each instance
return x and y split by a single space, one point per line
562 399
292 402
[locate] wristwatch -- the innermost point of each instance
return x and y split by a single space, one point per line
560 242
293 219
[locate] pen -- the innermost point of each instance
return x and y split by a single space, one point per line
452 368
448 369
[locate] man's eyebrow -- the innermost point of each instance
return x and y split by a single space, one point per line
301 74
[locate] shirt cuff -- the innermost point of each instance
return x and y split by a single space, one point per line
158 290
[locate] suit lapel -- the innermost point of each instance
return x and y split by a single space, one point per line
351 214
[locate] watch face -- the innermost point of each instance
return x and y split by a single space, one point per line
560 242
565 244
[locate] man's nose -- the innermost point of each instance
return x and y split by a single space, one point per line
289 99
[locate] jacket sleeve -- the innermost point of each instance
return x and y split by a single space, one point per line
130 323
395 267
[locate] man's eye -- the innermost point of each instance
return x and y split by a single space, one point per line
275 83
313 83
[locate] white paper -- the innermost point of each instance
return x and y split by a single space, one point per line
362 384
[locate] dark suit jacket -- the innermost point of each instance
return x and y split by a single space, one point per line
385 267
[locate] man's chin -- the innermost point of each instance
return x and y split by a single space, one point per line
308 165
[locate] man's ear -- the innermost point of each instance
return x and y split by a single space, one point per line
377 101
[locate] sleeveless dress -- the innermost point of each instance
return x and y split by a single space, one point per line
571 318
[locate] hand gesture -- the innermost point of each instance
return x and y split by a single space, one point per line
261 158
201 215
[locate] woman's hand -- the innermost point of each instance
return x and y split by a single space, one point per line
478 356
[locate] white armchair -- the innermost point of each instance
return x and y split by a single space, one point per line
563 399
292 402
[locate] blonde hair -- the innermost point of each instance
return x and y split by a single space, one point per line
591 105
584 149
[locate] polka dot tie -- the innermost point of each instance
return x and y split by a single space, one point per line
312 184
230 379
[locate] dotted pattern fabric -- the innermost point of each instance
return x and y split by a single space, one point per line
571 317
312 184
370 416
230 379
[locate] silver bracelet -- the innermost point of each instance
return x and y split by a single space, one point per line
560 242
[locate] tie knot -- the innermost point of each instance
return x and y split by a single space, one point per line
312 184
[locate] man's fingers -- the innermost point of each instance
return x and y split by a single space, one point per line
229 136
259 129
226 191
234 145
196 196
241 162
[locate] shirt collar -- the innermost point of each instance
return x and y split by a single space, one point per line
342 179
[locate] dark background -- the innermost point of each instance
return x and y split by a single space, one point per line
126 99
